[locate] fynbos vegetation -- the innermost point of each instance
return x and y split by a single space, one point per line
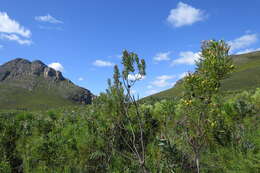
201 131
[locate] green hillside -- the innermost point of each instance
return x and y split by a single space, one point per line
245 77
39 98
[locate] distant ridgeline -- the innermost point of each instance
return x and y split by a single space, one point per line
34 85
245 77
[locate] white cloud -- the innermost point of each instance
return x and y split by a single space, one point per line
50 28
152 91
242 42
48 18
132 91
187 57
101 63
247 51
135 77
7 25
165 77
13 37
56 66
182 75
172 84
80 79
162 81
185 14
162 56
116 56
11 30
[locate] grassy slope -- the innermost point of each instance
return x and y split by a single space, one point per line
44 96
246 77
18 98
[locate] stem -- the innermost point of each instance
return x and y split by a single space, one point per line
197 163
133 101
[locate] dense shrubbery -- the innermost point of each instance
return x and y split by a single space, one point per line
90 140
118 134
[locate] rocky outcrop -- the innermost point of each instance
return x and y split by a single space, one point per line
3 75
83 96
37 67
49 73
52 74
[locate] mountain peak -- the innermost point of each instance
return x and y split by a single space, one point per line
20 67
18 61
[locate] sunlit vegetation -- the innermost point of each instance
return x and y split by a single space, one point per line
199 132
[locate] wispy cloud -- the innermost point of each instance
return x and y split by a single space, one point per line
188 58
50 28
115 56
159 83
101 63
10 26
152 91
162 81
133 91
182 75
11 30
16 38
185 14
57 66
247 51
242 42
48 18
162 56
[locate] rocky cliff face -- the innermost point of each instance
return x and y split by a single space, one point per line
35 75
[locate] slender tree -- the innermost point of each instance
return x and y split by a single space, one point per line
200 88
132 122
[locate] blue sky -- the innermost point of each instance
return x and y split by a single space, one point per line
84 39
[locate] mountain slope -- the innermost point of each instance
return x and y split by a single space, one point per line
245 77
34 85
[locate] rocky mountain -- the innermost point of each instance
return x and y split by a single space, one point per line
25 85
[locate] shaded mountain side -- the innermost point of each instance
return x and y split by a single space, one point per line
245 77
26 85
